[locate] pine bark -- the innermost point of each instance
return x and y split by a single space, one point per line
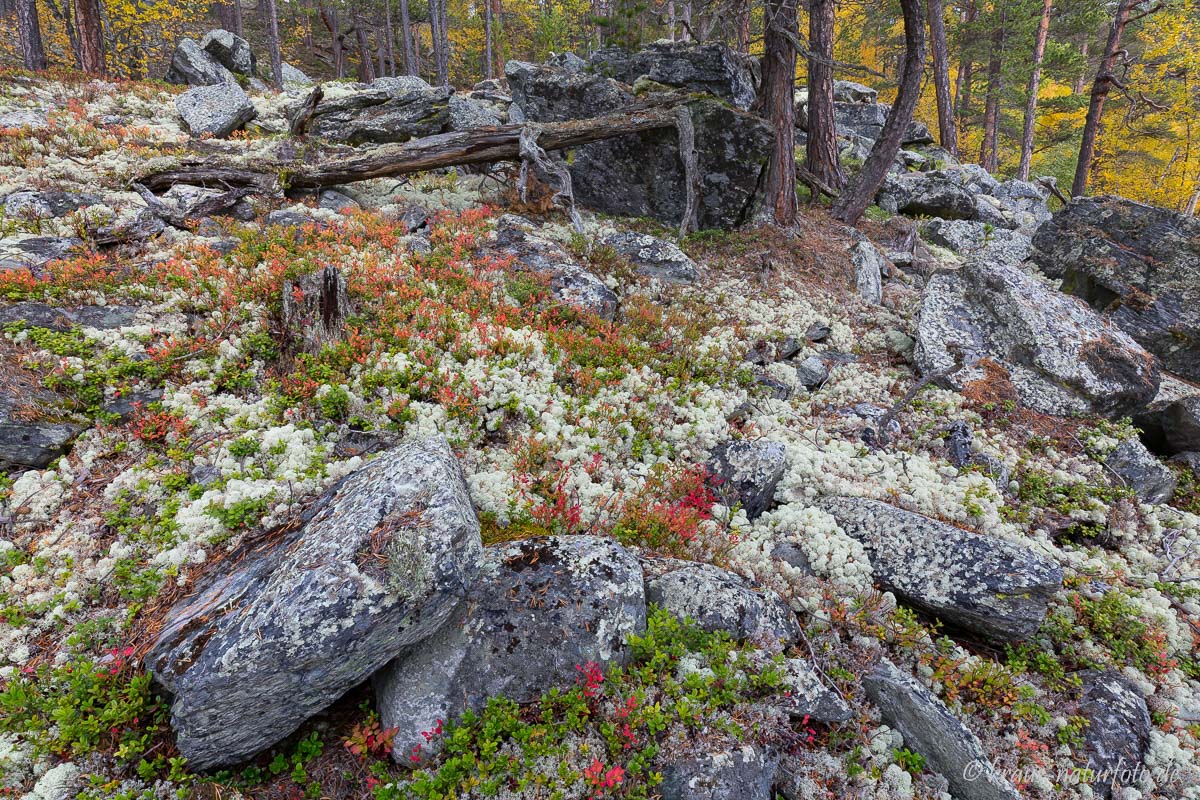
947 133
821 149
1031 101
411 67
854 201
1105 80
777 101
272 13
91 37
989 147
29 31
966 69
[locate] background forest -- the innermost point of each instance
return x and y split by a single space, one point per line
1148 146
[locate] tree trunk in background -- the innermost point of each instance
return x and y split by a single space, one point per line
743 26
1035 79
854 201
947 134
488 64
989 147
389 38
410 60
91 37
1100 89
29 30
966 68
365 67
498 37
777 101
272 13
441 41
821 150
1082 79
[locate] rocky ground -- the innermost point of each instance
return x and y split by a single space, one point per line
413 489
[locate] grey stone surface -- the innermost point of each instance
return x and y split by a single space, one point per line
1061 356
466 114
747 472
27 204
654 257
1118 731
538 609
745 773
808 696
869 265
217 110
711 68
230 51
192 66
1181 424
812 372
32 253
1138 469
973 238
851 92
990 586
379 113
63 318
720 600
295 77
1137 264
929 728
569 282
380 562
26 444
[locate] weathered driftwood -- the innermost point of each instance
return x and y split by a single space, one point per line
478 146
299 121
549 170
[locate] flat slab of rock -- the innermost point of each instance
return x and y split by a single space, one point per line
1061 356
217 110
929 728
28 204
32 253
746 773
1118 731
33 444
569 282
654 257
381 562
1135 263
538 609
380 112
1139 470
56 318
869 265
711 68
720 600
747 472
970 237
987 585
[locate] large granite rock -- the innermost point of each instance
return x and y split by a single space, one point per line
973 238
747 472
709 68
745 773
654 257
992 587
929 194
570 283
1138 265
381 561
63 318
856 119
547 93
381 112
1118 731
719 600
1061 356
33 253
192 66
230 51
1137 469
217 110
538 610
32 444
30 204
929 728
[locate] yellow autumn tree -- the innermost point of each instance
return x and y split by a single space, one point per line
141 34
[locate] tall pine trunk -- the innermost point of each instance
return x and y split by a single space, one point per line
91 37
411 67
743 26
1035 80
488 64
855 199
989 147
272 13
390 37
966 69
821 150
947 134
29 31
441 41
1100 89
777 102
1081 80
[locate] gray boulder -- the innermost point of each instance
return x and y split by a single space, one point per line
864 121
380 113
27 204
992 587
1181 424
380 562
399 85
869 265
230 51
851 92
1138 469
192 66
1136 264
545 93
972 238
808 696
928 728
745 773
747 472
812 372
217 110
467 114
708 68
569 282
1118 731
1061 356
929 194
294 77
538 609
56 318
654 257
32 444
32 253
719 600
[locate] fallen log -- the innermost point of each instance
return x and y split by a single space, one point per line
478 146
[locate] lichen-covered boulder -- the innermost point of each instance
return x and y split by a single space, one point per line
192 66
380 562
929 729
217 110
1061 357
569 282
1118 731
973 238
294 77
654 257
467 114
720 600
928 194
990 586
538 611
710 68
747 472
31 253
744 773
230 51
63 318
1181 424
869 265
30 204
1137 264
851 92
32 443
1137 469
548 93
380 112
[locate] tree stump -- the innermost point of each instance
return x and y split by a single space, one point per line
315 307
